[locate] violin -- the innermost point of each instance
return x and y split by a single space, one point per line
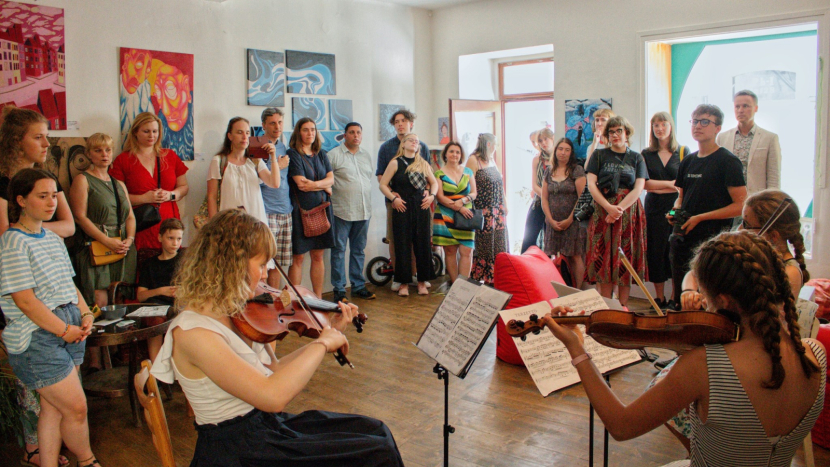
266 319
679 331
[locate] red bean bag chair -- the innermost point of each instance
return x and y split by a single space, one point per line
527 277
822 297
821 430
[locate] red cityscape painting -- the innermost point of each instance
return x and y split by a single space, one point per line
33 60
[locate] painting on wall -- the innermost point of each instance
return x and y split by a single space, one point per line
579 115
266 78
331 139
386 130
66 159
161 83
435 159
340 113
444 130
33 60
257 131
310 107
310 73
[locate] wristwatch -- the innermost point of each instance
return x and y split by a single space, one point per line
172 196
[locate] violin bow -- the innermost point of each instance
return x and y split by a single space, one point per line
341 359
779 211
639 282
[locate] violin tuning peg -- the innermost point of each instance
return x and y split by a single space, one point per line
520 324
523 338
536 332
534 318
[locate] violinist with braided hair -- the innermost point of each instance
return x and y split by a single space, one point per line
751 402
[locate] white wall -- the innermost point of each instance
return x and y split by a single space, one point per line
383 55
597 51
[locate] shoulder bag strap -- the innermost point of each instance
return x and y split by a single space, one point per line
158 173
117 205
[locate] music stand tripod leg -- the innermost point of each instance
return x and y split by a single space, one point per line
448 429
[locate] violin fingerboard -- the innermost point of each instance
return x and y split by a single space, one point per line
321 305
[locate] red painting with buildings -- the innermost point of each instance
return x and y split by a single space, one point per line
32 60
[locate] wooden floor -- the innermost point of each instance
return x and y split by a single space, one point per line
499 415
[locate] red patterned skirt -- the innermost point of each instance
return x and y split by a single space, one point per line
603 263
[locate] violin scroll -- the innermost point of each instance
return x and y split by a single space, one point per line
519 328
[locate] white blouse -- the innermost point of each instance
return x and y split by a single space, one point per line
240 186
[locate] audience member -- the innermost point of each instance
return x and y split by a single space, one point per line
616 176
457 190
600 141
563 182
310 178
535 222
406 179
351 201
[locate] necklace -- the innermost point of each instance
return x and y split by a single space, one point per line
21 224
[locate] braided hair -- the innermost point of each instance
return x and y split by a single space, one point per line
746 268
788 226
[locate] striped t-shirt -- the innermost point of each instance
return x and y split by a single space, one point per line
29 261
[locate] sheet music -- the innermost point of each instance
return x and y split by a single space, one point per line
547 359
461 323
806 316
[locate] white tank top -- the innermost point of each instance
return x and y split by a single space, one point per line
210 403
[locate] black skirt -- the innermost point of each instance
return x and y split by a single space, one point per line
658 231
312 438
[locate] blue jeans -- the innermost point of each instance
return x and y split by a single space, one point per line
355 232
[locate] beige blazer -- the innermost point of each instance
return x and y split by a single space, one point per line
763 169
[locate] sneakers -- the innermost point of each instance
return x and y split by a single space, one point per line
396 286
340 297
415 284
363 293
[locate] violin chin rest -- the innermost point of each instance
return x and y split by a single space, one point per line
733 316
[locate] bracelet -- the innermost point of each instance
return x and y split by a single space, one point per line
576 361
318 342
393 199
87 313
65 331
688 290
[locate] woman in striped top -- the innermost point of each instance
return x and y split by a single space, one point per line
456 193
47 317
751 402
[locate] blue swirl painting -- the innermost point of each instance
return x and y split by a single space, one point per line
579 115
266 78
331 139
310 107
340 113
310 73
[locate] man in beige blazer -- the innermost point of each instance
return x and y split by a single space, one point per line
757 148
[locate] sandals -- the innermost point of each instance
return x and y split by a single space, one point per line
62 460
92 462
403 292
422 289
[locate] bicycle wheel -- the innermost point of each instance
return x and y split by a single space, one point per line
379 271
437 265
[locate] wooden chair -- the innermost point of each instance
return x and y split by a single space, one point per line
154 413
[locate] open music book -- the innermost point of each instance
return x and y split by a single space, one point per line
545 356
461 324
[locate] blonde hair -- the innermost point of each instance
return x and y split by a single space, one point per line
131 143
214 269
419 165
607 113
98 140
481 147
654 143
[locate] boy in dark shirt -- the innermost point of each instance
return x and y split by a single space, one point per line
711 188
156 274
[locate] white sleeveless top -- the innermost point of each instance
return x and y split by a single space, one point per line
210 403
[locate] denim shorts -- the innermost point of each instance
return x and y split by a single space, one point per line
49 359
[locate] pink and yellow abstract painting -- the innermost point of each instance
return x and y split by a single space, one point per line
161 83
33 60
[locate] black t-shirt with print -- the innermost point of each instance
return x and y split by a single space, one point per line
630 166
155 273
705 182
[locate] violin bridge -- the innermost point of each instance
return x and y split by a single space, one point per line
285 298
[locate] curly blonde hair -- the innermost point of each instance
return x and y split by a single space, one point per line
16 123
214 269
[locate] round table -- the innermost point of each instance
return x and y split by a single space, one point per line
110 382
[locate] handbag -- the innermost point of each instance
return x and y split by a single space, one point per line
474 223
315 220
99 253
201 217
148 215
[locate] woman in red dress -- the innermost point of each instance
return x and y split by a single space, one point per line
137 166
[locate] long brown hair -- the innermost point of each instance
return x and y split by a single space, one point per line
22 184
571 166
746 268
788 226
16 123
226 145
654 143
296 141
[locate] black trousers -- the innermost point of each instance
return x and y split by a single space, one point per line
682 250
534 224
658 230
412 231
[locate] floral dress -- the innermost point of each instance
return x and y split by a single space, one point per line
492 239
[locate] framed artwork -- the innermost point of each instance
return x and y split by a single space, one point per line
266 78
67 158
161 83
331 139
385 111
443 130
310 73
310 107
257 131
340 113
579 115
33 60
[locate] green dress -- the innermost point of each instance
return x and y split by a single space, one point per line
100 210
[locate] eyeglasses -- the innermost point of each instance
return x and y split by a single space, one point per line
618 131
703 122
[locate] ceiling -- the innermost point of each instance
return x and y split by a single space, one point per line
430 4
